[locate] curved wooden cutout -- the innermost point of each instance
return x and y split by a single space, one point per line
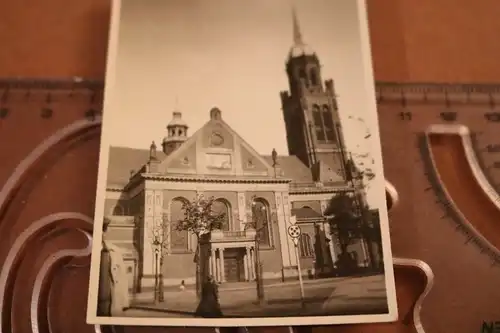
411 298
414 281
22 259
391 195
466 193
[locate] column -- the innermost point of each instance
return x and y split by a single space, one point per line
245 264
328 232
217 266
287 213
241 211
286 254
213 270
366 256
148 257
222 271
252 264
331 244
153 216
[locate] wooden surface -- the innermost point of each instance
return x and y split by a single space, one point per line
445 41
436 41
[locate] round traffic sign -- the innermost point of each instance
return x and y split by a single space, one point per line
294 231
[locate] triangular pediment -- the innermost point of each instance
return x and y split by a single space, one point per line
216 149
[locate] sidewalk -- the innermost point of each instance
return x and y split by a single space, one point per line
322 297
240 286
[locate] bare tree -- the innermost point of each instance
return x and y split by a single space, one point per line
200 219
161 248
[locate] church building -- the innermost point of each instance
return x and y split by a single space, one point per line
255 192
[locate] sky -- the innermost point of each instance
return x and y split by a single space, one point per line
192 55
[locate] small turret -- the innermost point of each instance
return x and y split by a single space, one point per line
176 133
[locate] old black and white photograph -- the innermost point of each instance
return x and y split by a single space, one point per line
240 174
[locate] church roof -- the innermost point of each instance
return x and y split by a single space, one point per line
306 213
292 168
123 160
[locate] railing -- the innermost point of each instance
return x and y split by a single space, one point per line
235 235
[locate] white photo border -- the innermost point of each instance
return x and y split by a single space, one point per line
379 182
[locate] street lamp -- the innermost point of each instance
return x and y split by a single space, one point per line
158 247
258 264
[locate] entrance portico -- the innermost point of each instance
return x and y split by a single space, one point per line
232 257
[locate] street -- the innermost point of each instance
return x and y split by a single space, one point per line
335 296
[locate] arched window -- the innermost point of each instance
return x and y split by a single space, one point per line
118 210
328 122
178 238
305 246
261 218
314 76
317 122
222 206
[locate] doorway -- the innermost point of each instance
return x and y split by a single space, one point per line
233 265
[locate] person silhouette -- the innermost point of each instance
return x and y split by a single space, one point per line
113 297
105 277
209 306
120 300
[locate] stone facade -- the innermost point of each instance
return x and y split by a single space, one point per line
147 188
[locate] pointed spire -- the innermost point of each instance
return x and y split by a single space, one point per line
299 48
297 34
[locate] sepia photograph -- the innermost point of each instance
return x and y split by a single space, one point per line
240 173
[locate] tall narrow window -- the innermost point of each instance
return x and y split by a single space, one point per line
260 215
317 123
303 77
328 122
305 246
314 77
221 206
178 238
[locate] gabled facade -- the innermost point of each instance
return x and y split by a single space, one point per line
147 188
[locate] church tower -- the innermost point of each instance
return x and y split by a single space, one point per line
310 112
176 133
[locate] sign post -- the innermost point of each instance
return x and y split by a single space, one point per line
294 232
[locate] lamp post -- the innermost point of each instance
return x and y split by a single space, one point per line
157 279
258 264
158 251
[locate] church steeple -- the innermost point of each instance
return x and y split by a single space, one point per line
310 112
299 48
297 34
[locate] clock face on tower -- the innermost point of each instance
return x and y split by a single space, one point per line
216 139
